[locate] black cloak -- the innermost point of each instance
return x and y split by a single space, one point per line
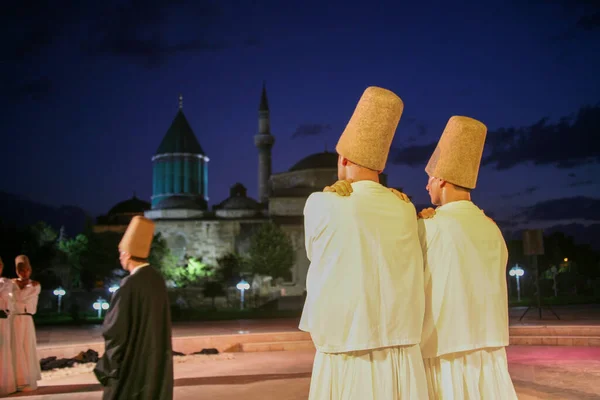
138 362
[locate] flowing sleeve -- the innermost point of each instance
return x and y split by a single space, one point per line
31 298
115 333
7 297
314 223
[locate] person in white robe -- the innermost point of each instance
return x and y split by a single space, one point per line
8 383
465 331
27 364
364 305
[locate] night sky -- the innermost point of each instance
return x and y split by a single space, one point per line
88 93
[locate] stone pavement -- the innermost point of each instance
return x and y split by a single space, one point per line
59 335
539 372
542 373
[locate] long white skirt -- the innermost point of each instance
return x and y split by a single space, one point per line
391 373
474 375
27 368
8 383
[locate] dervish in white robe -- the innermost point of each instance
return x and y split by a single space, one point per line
365 303
8 382
27 367
465 331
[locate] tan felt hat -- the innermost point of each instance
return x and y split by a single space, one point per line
137 239
368 136
458 154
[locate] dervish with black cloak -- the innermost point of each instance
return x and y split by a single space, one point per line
138 362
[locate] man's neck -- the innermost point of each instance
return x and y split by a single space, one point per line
455 196
135 265
362 175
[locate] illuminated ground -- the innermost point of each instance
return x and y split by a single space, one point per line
539 373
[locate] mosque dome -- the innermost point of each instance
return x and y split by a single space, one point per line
121 213
238 204
130 206
322 160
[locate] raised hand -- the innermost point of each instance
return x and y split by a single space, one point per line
400 195
341 188
426 213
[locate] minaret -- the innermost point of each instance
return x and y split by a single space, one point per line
264 142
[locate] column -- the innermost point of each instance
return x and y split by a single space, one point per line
160 177
187 177
205 188
177 175
200 177
154 177
168 176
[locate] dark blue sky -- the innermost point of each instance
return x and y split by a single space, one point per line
88 93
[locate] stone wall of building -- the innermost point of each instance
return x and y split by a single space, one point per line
316 179
287 206
207 239
300 268
212 239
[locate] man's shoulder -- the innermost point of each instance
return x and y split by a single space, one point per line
321 200
323 197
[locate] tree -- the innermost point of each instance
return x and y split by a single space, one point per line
101 258
188 273
39 244
231 267
213 289
271 252
73 251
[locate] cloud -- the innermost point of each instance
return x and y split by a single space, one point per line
19 89
412 156
584 16
310 130
572 175
28 28
525 192
566 144
568 208
408 120
582 183
150 33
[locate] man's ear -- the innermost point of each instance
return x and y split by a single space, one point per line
344 161
442 183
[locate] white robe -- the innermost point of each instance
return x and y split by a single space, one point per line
466 305
364 303
8 383
27 367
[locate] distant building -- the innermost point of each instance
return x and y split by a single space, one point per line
120 215
179 202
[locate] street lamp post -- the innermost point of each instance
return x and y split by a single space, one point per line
100 305
60 292
242 286
517 272
554 272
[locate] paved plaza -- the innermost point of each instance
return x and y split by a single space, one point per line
539 372
546 373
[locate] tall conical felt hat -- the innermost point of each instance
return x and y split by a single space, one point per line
458 154
368 136
137 239
22 259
